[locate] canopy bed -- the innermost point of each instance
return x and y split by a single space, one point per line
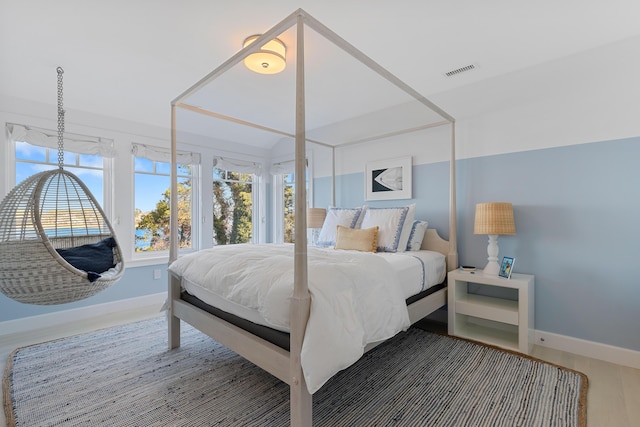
290 357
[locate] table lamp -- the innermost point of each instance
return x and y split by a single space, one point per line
315 219
494 218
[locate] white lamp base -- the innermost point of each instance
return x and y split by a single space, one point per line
492 268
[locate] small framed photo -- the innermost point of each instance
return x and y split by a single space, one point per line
388 179
506 267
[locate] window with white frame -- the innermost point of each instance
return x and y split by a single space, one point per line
36 150
233 200
285 190
152 196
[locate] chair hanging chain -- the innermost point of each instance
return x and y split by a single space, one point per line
60 120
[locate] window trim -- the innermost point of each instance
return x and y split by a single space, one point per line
277 179
106 203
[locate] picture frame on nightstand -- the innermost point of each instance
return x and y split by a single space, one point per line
506 267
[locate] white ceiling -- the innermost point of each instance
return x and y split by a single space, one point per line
129 59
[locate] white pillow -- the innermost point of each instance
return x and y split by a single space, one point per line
347 217
417 235
391 221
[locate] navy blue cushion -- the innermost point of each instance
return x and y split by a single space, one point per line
93 258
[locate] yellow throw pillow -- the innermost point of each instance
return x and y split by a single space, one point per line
357 239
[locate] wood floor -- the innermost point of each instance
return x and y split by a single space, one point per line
614 390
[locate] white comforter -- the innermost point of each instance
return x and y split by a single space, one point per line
355 297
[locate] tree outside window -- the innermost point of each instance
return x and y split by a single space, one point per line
289 184
232 207
152 205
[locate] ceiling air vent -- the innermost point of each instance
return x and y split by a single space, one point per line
460 70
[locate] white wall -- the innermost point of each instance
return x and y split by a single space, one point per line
591 96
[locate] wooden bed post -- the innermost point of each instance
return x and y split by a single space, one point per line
452 256
301 400
173 329
172 320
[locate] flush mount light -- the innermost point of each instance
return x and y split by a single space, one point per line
270 59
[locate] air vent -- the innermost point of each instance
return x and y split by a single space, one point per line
460 70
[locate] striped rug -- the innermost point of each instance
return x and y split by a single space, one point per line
124 376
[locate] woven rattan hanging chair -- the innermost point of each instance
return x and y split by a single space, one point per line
56 245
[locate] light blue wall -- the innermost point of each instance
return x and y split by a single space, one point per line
577 212
136 282
429 182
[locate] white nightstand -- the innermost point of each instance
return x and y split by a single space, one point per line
493 320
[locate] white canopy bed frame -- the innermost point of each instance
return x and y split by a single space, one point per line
286 365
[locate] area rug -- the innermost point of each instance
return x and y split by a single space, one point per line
125 376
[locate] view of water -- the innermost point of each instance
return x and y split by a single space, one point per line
142 244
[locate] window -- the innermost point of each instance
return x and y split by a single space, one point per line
285 183
152 196
233 201
31 159
288 197
36 151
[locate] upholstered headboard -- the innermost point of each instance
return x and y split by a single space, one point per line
433 242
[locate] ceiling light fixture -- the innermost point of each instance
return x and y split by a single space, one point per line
270 59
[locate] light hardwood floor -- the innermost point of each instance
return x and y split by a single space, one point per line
614 390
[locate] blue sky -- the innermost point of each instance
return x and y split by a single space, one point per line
149 188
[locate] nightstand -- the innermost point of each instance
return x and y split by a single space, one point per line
505 321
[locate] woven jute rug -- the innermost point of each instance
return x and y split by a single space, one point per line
125 376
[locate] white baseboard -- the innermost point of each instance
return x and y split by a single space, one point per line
594 350
148 303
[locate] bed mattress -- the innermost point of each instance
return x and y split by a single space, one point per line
417 271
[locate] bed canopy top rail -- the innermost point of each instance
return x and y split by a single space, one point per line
300 17
371 64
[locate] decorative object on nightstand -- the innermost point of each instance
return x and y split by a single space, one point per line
494 218
315 219
506 267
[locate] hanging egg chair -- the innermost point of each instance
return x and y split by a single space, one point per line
56 245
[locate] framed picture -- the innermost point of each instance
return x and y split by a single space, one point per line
506 267
388 179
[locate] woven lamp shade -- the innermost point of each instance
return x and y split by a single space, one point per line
494 218
315 217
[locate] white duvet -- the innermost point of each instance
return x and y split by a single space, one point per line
355 297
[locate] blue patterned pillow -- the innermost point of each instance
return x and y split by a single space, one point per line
417 235
347 217
391 221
